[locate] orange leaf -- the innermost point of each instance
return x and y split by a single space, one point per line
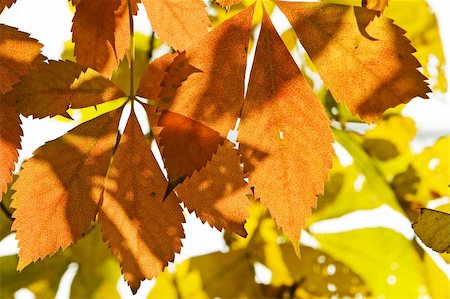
52 88
6 3
368 65
143 230
176 72
214 95
58 190
150 84
10 132
178 23
18 54
187 145
101 33
217 193
282 116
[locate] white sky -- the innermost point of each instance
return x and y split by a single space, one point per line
49 21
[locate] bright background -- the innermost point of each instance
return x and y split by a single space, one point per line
49 21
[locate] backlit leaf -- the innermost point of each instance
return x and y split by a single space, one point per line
18 54
179 23
217 192
215 93
143 229
383 258
101 34
6 3
274 120
375 52
52 88
67 192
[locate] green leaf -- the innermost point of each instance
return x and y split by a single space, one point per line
383 258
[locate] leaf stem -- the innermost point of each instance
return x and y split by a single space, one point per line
132 51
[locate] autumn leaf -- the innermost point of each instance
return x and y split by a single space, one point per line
282 116
18 54
211 102
61 207
178 23
6 3
218 193
50 89
376 55
433 228
143 230
101 33
10 133
187 145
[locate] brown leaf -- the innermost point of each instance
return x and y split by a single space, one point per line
282 116
187 145
433 228
10 132
217 193
374 58
214 95
178 23
18 54
150 84
58 190
52 88
143 230
101 33
6 3
176 72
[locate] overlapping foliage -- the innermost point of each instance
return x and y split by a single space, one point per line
194 97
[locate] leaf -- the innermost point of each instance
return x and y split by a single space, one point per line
227 3
52 88
282 116
98 271
63 202
383 258
6 3
143 230
150 85
379 5
211 102
42 278
431 166
187 145
96 277
196 278
420 23
433 228
319 274
373 48
101 34
18 54
10 132
217 192
178 23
